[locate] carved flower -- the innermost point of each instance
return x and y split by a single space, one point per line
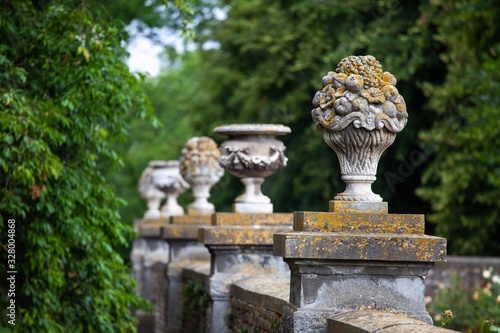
354 83
338 79
390 92
361 92
387 78
389 109
342 106
199 152
373 95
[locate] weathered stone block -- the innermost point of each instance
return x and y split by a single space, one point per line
151 227
358 207
358 222
186 232
239 235
351 246
245 219
191 219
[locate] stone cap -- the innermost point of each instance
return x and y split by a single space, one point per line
239 235
269 129
248 219
359 246
359 222
268 292
371 321
191 219
178 232
151 227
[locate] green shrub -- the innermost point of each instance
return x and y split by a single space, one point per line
469 307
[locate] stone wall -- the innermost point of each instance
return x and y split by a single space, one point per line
470 270
194 299
159 289
257 305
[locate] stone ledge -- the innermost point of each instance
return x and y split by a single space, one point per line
269 293
187 231
160 220
358 222
239 235
191 219
345 246
262 219
198 270
371 321
150 229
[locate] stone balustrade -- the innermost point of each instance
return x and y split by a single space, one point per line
356 268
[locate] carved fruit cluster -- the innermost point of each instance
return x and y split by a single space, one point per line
199 152
359 92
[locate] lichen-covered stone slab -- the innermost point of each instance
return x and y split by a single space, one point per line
368 321
262 219
350 246
239 235
359 222
151 227
191 219
186 232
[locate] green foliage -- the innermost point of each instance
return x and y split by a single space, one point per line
468 307
463 182
195 303
171 94
271 60
487 327
275 324
64 95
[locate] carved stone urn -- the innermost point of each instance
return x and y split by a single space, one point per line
252 153
359 111
201 169
149 192
167 178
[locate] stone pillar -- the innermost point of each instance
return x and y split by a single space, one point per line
201 170
357 256
155 255
240 243
159 180
182 237
156 252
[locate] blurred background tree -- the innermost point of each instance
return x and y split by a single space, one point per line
269 58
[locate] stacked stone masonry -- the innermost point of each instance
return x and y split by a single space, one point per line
159 288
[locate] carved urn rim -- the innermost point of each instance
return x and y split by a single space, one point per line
163 164
253 129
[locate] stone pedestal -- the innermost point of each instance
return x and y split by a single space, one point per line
240 246
155 258
357 256
182 236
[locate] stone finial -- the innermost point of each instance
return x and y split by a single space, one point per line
201 169
359 110
167 178
149 192
252 153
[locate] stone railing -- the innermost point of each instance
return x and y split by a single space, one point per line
354 268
